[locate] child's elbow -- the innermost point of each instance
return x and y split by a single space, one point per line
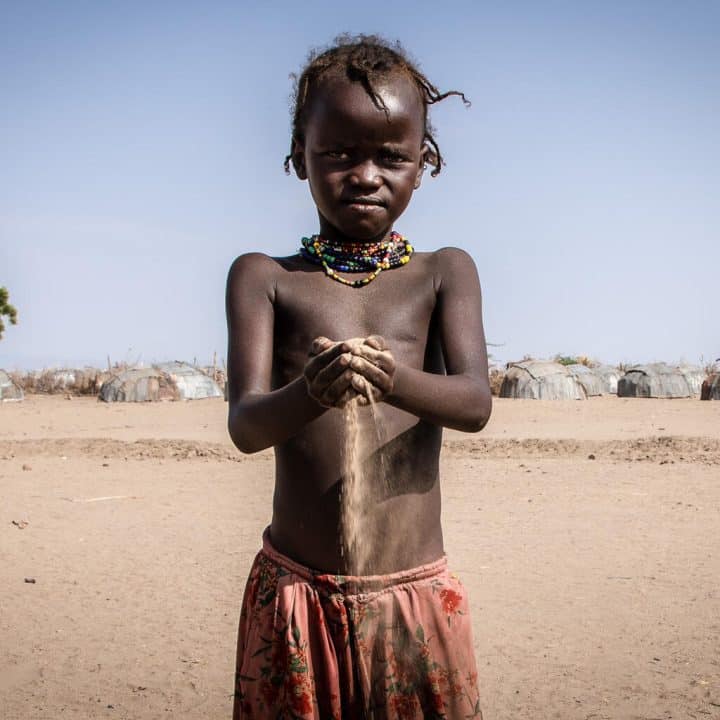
241 435
245 444
480 411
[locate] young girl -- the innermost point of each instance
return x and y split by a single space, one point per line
356 316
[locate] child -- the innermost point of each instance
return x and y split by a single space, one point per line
356 314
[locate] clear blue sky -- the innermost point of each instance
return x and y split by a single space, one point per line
141 149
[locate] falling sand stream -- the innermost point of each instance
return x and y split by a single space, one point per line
359 543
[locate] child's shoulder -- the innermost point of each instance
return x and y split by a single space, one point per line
448 255
255 275
448 264
255 261
261 266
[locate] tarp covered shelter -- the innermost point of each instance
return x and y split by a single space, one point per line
163 381
711 387
592 383
656 380
138 385
694 376
191 382
609 376
9 390
540 380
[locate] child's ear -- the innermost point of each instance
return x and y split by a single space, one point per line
421 165
297 157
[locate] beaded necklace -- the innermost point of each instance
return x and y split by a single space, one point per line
352 257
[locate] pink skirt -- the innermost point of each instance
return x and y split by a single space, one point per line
321 646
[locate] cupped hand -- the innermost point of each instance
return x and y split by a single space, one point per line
338 372
327 372
373 367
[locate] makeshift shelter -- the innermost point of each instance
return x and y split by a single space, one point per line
540 380
711 387
139 385
694 376
609 376
656 380
163 381
592 383
10 391
191 382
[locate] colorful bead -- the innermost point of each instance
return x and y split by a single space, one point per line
351 257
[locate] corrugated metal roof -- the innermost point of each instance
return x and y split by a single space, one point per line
540 380
138 385
655 380
163 381
191 382
592 383
9 391
694 376
610 376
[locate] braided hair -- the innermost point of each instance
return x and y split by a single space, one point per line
367 59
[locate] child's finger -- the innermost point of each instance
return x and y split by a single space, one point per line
383 359
323 359
372 373
365 390
319 344
377 342
334 394
327 375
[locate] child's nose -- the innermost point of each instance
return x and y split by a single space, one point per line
366 174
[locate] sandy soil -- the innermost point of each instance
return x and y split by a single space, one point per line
587 533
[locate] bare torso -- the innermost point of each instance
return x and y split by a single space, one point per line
399 451
429 316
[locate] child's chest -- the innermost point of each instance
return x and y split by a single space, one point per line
398 305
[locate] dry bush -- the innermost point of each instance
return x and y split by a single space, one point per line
575 360
18 378
216 373
496 379
61 382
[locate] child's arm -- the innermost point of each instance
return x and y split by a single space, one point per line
260 417
461 399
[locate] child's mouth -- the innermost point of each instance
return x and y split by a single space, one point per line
365 204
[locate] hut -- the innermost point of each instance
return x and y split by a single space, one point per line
10 391
540 380
694 376
164 381
656 380
711 387
191 382
592 383
609 376
138 385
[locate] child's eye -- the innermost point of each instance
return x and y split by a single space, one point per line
393 157
337 154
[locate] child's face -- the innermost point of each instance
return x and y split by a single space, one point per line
361 163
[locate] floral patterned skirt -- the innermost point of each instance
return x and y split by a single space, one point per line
335 647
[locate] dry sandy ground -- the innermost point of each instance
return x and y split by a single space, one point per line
595 582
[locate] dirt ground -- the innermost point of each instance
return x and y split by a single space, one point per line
587 533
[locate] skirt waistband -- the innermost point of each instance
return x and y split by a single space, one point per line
353 584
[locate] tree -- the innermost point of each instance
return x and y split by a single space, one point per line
7 310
